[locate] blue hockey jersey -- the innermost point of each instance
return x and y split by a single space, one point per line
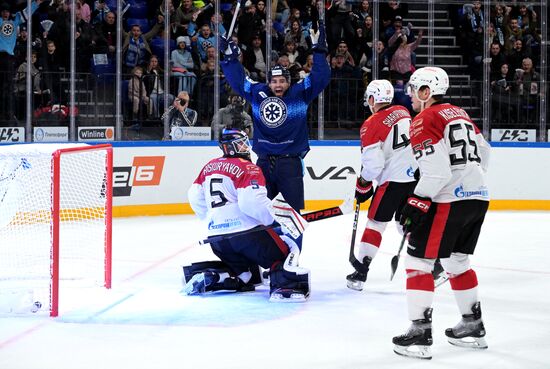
8 29
280 124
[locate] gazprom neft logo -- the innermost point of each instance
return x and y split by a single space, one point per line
461 194
229 223
273 112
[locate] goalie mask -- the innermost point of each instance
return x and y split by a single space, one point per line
433 77
234 143
381 91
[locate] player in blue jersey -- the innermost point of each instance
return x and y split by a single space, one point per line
279 113
8 36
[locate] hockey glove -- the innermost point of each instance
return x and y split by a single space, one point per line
319 38
230 49
363 190
414 212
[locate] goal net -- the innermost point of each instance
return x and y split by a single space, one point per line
55 223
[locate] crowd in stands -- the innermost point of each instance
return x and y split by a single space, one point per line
514 49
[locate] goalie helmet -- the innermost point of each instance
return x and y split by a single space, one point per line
278 71
234 143
433 77
381 90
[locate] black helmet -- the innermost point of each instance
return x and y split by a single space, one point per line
278 71
234 143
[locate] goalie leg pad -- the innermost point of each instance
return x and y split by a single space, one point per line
219 267
288 286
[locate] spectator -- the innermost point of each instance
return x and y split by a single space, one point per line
100 12
181 115
401 65
501 88
281 10
343 85
497 57
527 82
498 23
21 85
294 56
137 93
51 70
250 23
364 41
154 86
306 68
210 56
393 8
20 49
183 66
83 42
362 13
7 46
105 36
255 59
516 55
233 116
383 61
135 47
343 49
341 20
185 14
295 34
205 39
85 12
293 69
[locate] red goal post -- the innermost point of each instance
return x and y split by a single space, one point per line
55 223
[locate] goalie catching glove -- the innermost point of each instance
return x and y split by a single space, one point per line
414 212
363 190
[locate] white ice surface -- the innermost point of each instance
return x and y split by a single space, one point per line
143 322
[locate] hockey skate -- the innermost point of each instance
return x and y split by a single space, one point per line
417 340
469 332
357 279
439 274
288 295
199 282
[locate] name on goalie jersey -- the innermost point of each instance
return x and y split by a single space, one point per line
273 112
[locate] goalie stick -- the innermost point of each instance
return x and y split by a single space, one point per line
313 216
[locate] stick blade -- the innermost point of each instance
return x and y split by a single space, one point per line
394 263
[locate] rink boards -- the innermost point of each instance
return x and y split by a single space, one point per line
152 178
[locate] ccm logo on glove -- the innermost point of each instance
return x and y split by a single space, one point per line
423 205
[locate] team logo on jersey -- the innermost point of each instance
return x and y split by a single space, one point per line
273 112
460 193
7 29
410 172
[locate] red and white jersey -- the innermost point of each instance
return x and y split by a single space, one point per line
385 152
452 155
230 195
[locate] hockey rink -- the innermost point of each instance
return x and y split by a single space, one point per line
144 322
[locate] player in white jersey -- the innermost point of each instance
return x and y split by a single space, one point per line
444 215
230 196
386 158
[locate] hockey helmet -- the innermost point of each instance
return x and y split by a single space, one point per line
278 70
381 90
234 143
433 77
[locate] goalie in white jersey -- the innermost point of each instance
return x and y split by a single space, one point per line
444 215
230 196
386 158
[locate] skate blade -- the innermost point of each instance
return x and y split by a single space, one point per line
293 298
355 285
414 351
469 342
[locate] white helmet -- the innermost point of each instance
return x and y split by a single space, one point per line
433 77
381 90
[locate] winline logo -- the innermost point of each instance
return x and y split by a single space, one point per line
95 133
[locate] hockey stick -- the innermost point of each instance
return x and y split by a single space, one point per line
237 8
395 258
334 211
360 267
